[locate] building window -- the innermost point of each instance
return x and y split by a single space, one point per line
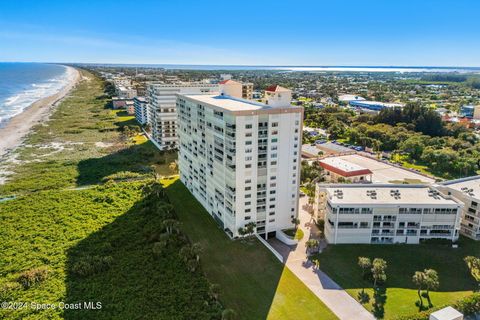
248 134
248 181
273 163
274 124
248 188
273 177
274 140
248 196
247 217
249 142
248 203
248 126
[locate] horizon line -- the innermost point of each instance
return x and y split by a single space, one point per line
251 65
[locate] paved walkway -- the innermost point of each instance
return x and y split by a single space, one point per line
334 297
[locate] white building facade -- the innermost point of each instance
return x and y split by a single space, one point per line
162 110
241 159
385 213
141 114
467 190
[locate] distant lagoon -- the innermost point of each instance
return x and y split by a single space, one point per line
399 69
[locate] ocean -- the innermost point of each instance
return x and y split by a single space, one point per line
21 84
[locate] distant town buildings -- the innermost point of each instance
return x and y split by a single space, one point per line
386 213
373 105
238 89
350 97
241 158
472 112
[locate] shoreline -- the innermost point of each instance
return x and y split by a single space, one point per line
13 134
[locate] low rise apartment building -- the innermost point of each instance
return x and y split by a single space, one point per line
467 190
241 158
162 110
386 213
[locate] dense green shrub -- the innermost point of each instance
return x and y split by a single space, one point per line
89 265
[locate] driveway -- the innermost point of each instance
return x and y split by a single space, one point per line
295 257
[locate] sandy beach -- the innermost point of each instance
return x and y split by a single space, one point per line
16 130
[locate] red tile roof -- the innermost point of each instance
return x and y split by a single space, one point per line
272 88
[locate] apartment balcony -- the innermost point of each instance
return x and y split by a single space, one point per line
385 219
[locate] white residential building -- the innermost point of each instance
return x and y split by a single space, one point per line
125 92
386 213
162 110
141 113
467 190
241 158
239 89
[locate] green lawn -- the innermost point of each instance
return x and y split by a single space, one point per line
253 282
340 262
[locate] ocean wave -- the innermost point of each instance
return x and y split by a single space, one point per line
19 101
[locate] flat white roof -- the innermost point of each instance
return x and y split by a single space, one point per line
350 97
380 194
447 313
385 172
342 164
228 103
470 186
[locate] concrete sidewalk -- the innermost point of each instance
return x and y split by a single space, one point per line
295 257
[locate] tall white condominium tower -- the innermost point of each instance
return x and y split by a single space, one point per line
241 158
162 114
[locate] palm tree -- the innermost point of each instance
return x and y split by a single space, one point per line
192 265
229 314
419 280
250 228
242 232
171 225
364 263
378 271
432 281
173 167
196 249
186 253
214 290
311 244
296 222
473 264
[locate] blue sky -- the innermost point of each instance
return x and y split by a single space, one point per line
261 32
